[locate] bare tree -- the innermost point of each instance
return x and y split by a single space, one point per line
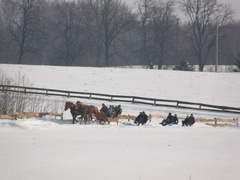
115 18
145 13
12 102
92 19
110 18
204 18
157 23
26 28
164 22
71 36
108 32
7 50
229 43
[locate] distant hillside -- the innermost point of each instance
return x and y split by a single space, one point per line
200 87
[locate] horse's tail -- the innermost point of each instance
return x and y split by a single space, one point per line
96 112
96 115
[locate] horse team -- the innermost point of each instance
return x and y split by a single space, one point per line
86 112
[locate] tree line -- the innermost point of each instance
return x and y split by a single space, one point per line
104 33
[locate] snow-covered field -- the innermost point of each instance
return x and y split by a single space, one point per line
50 148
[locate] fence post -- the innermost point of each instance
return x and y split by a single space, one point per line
150 118
177 103
133 99
154 103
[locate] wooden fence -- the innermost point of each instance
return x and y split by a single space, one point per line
107 97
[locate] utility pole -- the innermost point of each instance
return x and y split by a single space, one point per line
216 65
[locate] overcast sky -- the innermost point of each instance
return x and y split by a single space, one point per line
235 6
234 3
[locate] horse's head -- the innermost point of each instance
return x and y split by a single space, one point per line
79 105
68 105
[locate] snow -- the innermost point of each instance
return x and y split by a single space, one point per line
199 87
51 148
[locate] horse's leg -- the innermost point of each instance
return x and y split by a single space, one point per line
74 117
96 117
90 119
85 118
81 119
80 122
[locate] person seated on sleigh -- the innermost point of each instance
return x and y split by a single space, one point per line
142 119
188 121
104 108
168 120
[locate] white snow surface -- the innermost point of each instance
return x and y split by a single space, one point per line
199 87
51 148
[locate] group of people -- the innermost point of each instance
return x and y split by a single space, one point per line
170 120
111 111
188 121
142 118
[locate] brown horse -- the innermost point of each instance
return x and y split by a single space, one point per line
73 110
87 111
102 117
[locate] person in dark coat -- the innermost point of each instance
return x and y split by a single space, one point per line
104 109
118 110
191 120
145 118
142 118
111 111
175 119
139 119
185 122
168 120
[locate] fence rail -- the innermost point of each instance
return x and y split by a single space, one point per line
107 97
